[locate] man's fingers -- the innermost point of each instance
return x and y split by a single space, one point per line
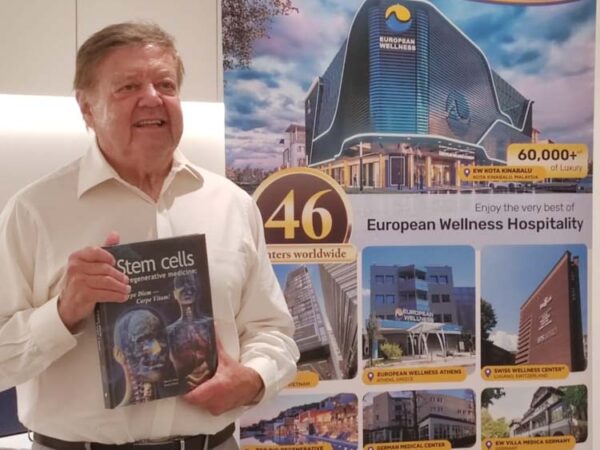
98 269
92 255
113 238
107 296
107 283
202 394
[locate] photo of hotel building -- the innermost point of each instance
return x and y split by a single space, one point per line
551 415
340 295
421 310
397 109
420 415
536 411
550 325
326 334
534 305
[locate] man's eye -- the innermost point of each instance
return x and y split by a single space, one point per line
167 86
127 87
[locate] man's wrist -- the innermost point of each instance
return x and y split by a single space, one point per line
259 387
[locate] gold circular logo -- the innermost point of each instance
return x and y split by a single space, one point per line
303 206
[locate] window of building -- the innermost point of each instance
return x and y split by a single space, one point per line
556 414
390 299
443 279
379 299
447 318
437 318
445 298
433 278
435 298
389 279
440 431
379 279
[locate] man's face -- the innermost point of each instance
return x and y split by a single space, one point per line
134 105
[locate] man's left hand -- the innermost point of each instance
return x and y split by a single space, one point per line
232 385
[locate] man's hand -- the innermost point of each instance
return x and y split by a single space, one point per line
90 278
232 385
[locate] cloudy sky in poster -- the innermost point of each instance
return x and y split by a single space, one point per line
546 52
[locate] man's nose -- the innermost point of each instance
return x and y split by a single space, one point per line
149 96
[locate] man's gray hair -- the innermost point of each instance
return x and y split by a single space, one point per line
101 43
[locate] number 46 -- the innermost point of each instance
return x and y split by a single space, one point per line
289 223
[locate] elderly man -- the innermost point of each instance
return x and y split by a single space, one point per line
132 185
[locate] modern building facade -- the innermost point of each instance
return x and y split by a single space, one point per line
420 415
408 100
319 352
463 296
340 294
417 308
550 323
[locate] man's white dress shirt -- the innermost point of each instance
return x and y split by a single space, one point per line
58 374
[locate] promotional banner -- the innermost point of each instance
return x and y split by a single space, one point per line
424 173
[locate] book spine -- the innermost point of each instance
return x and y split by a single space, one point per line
105 358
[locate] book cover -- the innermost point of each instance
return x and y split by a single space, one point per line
161 341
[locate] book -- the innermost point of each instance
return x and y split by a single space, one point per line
161 341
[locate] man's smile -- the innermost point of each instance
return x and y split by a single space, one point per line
150 123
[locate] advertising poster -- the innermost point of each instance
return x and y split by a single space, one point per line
424 173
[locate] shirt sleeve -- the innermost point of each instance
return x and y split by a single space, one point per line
264 322
32 335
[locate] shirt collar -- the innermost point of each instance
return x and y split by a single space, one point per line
94 169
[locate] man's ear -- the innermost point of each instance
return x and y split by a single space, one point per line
83 100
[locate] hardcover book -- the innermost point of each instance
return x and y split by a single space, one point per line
161 341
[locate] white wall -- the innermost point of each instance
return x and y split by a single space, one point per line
39 39
38 44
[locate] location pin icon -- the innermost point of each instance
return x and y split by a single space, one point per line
488 372
488 444
467 172
370 376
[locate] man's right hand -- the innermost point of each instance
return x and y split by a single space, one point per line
90 278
